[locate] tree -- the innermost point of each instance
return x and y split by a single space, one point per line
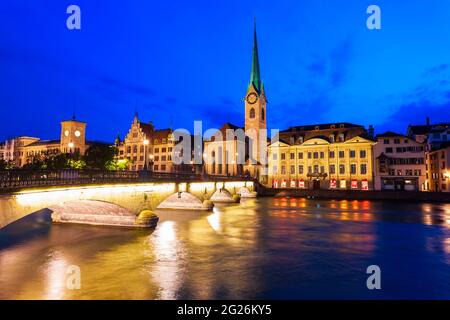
100 156
6 165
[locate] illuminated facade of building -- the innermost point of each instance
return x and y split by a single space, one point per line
231 156
21 150
324 156
149 149
399 163
438 169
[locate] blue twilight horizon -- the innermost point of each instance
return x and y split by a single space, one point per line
183 61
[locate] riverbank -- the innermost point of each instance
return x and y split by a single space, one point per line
443 197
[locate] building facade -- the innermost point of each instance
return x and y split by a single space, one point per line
324 156
438 169
245 152
399 163
149 149
21 150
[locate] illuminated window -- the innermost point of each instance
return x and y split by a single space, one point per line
252 113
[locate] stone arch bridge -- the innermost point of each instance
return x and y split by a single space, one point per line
132 195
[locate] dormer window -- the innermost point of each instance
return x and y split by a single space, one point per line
341 125
316 128
331 137
333 126
300 139
341 137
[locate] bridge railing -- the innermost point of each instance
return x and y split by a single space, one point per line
16 179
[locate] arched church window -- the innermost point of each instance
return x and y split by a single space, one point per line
252 113
262 114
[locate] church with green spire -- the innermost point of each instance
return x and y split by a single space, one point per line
255 107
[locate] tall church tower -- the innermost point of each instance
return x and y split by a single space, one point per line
255 106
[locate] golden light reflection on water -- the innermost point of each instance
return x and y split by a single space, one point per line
167 271
210 255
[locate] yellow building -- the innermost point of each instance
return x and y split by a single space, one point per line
147 148
438 169
325 156
21 150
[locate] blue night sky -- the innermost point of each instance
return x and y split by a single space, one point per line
180 61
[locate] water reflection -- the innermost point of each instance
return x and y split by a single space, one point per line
169 253
261 248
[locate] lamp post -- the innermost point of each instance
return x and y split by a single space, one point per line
151 162
146 142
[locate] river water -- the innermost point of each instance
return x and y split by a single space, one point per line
269 248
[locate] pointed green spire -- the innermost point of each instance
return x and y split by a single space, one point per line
255 76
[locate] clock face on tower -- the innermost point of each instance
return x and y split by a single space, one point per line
252 98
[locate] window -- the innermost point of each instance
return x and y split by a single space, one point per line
283 170
163 150
252 113
388 150
322 169
316 168
163 158
141 149
300 169
156 141
309 169
262 114
352 153
399 172
163 167
331 154
363 168
353 168
341 137
341 169
322 155
341 154
292 156
396 141
156 158
332 169
275 169
300 155
386 141
135 149
362 154
309 155
292 169
316 155
283 156
331 137
275 156
156 150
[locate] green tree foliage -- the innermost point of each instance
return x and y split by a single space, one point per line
6 165
100 156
